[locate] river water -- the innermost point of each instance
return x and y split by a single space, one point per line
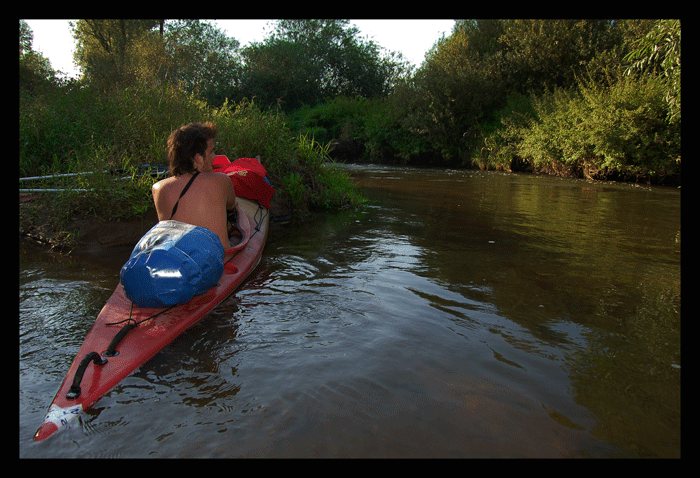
459 314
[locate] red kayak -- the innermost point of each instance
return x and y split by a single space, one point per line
125 336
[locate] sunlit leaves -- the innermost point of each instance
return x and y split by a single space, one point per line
659 52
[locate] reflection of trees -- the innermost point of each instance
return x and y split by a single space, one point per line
547 252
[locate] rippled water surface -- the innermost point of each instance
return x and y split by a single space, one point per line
460 314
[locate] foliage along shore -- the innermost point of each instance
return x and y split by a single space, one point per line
595 99
297 165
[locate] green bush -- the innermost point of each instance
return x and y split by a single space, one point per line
627 130
77 129
293 185
618 130
325 121
64 125
311 182
501 137
359 129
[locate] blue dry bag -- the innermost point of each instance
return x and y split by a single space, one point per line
172 263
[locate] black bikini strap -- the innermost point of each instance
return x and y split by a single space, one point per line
183 193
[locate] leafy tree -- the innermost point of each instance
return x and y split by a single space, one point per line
202 58
548 53
457 86
105 48
187 54
279 73
307 61
26 37
34 68
468 77
659 52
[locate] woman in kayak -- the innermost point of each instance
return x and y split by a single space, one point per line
209 194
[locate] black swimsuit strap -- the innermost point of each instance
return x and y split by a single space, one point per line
183 193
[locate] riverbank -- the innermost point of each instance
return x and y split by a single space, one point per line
90 234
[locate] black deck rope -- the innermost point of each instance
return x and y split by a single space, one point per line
98 359
259 220
130 325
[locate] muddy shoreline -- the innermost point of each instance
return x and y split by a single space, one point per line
86 235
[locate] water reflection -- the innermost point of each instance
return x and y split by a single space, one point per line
584 268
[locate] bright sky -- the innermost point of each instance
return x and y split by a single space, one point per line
413 38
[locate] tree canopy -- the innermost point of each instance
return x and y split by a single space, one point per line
34 68
301 62
305 62
480 91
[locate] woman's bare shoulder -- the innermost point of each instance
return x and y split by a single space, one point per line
163 183
220 179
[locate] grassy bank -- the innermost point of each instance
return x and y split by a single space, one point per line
74 129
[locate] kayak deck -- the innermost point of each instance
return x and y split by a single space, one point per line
125 336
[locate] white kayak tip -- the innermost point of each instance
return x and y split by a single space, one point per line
55 419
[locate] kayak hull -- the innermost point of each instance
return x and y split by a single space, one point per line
156 328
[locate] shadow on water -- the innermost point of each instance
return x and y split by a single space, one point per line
460 314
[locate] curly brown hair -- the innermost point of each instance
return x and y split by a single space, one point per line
186 142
